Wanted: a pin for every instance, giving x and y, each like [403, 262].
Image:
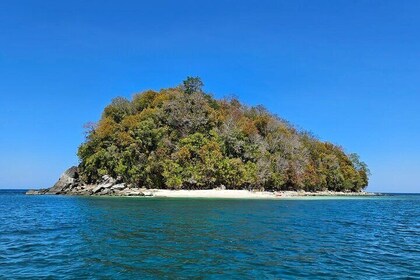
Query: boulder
[134, 193]
[97, 188]
[67, 180]
[106, 179]
[33, 192]
[107, 183]
[118, 187]
[105, 191]
[84, 192]
[130, 192]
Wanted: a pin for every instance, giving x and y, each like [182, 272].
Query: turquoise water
[58, 237]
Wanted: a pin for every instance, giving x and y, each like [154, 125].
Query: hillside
[183, 138]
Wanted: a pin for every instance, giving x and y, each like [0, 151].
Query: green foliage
[184, 138]
[143, 100]
[118, 109]
[192, 85]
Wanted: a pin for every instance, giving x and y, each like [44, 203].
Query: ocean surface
[59, 237]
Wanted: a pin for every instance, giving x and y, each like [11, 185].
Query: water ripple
[53, 237]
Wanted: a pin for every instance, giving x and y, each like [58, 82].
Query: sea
[67, 237]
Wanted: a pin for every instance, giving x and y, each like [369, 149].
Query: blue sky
[348, 71]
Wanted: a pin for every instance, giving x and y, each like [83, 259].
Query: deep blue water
[59, 237]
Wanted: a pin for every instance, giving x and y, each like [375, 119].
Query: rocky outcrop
[35, 192]
[105, 185]
[118, 187]
[69, 183]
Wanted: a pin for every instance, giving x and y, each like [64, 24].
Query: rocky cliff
[69, 183]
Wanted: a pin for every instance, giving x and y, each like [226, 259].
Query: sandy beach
[241, 194]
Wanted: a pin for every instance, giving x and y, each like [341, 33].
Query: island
[183, 142]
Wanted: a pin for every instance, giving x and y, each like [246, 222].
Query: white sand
[219, 193]
[213, 194]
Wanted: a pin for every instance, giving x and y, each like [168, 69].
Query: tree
[187, 114]
[192, 85]
[184, 138]
[119, 108]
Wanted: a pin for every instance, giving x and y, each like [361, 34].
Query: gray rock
[106, 185]
[84, 192]
[118, 187]
[97, 188]
[105, 191]
[106, 179]
[66, 181]
[33, 192]
[134, 193]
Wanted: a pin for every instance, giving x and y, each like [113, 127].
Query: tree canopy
[183, 138]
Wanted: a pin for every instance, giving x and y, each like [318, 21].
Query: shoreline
[214, 193]
[70, 184]
[245, 194]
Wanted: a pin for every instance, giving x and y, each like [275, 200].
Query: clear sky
[349, 71]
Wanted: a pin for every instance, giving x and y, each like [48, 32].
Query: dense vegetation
[184, 138]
